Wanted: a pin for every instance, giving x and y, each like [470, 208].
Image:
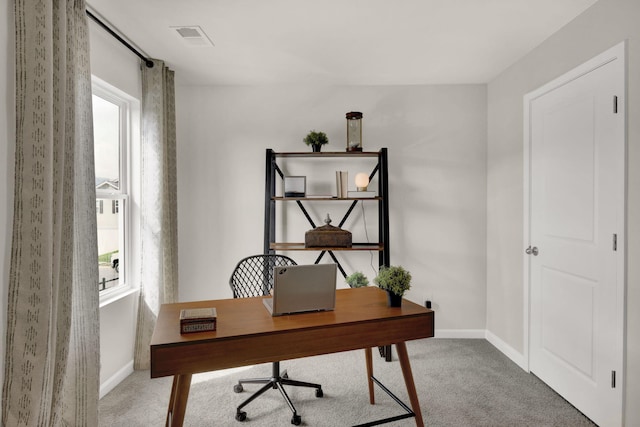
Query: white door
[576, 229]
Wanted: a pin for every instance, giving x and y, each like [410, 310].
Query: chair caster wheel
[238, 388]
[296, 420]
[241, 416]
[319, 392]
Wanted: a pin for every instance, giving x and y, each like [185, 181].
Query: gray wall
[436, 136]
[602, 26]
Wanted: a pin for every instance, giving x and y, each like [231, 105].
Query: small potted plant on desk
[316, 140]
[396, 281]
[357, 280]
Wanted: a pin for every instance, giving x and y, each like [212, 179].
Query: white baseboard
[460, 333]
[116, 379]
[515, 356]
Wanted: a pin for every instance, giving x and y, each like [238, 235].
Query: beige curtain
[52, 341]
[159, 235]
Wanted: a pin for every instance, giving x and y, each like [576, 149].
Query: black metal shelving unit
[381, 167]
[273, 172]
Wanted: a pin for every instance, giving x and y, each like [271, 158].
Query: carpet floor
[459, 382]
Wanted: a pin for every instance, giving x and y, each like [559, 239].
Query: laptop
[302, 288]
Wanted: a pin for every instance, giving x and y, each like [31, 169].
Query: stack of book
[197, 320]
[361, 194]
[342, 184]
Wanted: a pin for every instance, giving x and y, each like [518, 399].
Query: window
[111, 132]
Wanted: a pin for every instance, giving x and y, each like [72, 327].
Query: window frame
[125, 196]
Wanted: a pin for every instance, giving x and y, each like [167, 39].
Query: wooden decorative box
[327, 236]
[198, 320]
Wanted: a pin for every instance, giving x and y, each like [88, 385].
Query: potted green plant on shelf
[396, 281]
[357, 280]
[316, 140]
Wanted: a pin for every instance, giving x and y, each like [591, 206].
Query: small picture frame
[295, 186]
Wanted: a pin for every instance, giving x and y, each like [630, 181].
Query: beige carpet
[459, 382]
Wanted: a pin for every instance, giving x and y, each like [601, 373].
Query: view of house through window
[110, 138]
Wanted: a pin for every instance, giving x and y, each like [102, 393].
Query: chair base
[277, 381]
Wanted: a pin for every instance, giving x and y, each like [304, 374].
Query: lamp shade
[362, 181]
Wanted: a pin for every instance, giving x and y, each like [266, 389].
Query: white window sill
[111, 296]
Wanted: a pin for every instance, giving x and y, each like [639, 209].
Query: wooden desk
[247, 334]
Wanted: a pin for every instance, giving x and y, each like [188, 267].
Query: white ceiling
[339, 42]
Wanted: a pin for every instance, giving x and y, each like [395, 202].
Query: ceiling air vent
[193, 35]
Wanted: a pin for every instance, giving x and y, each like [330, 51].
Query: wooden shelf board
[280, 198]
[300, 247]
[329, 154]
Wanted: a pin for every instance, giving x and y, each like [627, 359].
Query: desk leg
[408, 380]
[178, 400]
[369, 359]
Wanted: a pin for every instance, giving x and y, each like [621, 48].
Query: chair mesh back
[253, 276]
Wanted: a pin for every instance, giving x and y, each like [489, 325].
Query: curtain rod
[147, 61]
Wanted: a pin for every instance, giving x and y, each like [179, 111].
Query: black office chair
[252, 277]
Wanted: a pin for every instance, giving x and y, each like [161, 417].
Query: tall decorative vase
[394, 300]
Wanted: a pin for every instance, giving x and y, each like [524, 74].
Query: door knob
[531, 250]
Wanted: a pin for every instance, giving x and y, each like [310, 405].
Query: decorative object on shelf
[327, 236]
[357, 280]
[396, 281]
[316, 140]
[361, 194]
[354, 131]
[295, 186]
[362, 181]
